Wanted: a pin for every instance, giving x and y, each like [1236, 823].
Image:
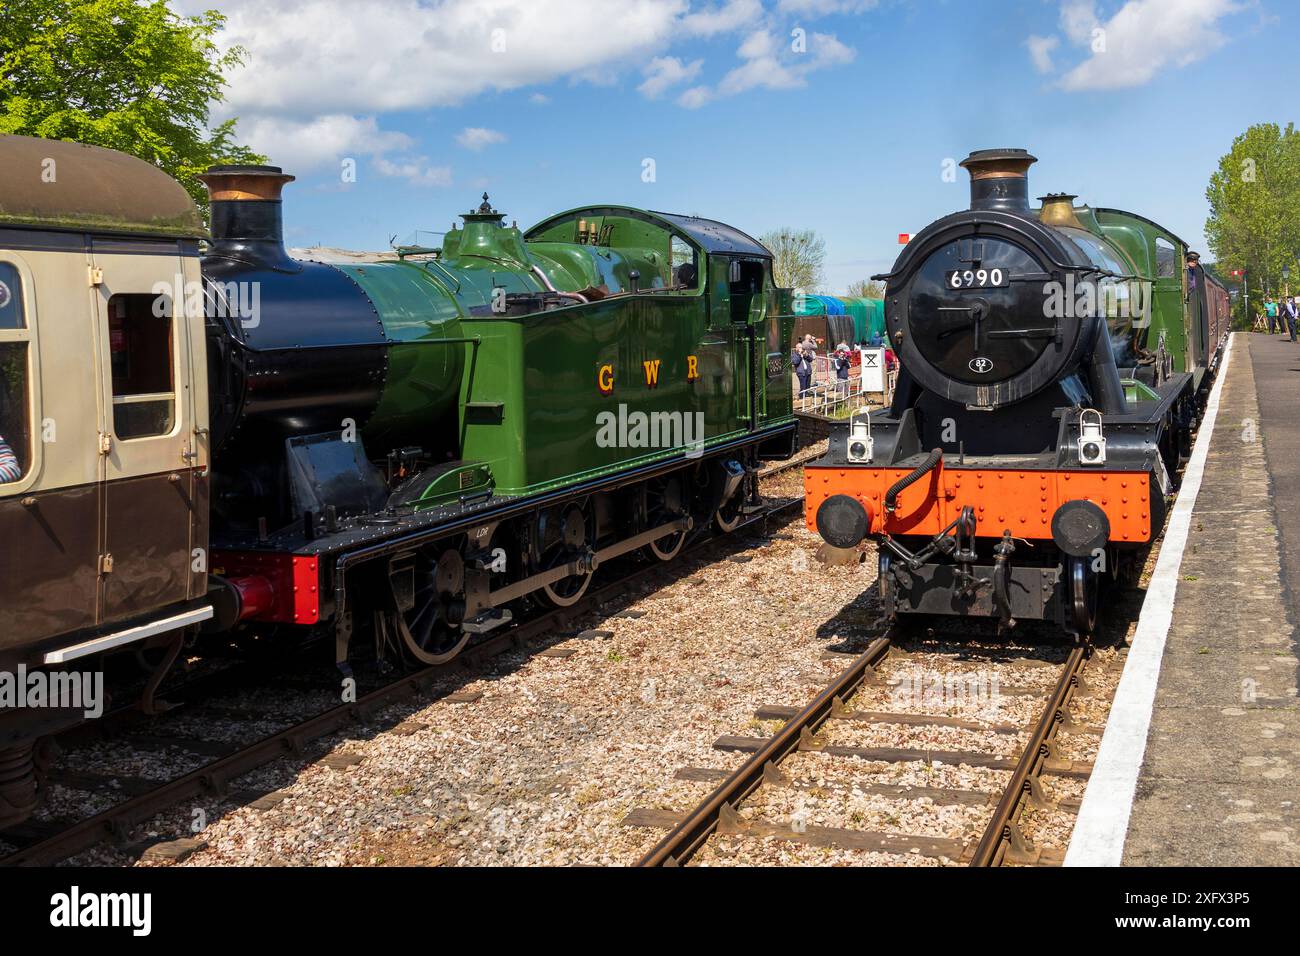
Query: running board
[128, 636]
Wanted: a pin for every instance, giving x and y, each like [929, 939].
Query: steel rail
[213, 777]
[997, 837]
[685, 839]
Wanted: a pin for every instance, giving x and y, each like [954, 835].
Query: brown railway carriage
[105, 412]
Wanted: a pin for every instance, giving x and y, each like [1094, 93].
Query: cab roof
[709, 234]
[53, 184]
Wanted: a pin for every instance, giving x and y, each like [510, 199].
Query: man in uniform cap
[1193, 261]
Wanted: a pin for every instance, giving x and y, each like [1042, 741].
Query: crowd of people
[803, 359]
[1283, 315]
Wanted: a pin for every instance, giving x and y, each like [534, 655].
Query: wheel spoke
[423, 628]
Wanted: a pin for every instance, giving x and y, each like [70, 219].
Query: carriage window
[1165, 259]
[140, 346]
[11, 298]
[15, 429]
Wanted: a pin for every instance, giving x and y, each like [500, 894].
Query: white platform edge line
[1102, 825]
[129, 636]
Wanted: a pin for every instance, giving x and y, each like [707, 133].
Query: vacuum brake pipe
[931, 460]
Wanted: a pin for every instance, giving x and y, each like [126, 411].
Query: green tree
[866, 289]
[129, 75]
[797, 258]
[1254, 200]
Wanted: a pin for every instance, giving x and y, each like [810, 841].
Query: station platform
[1200, 762]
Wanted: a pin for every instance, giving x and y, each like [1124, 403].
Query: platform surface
[1220, 777]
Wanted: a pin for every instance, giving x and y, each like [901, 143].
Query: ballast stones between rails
[1003, 841]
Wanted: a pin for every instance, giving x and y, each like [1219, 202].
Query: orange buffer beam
[1022, 500]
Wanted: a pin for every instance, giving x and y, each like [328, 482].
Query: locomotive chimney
[999, 179]
[247, 223]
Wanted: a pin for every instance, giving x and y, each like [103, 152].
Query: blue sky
[549, 104]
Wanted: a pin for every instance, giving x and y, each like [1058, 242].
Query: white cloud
[1040, 51]
[322, 140]
[539, 99]
[758, 44]
[321, 75]
[375, 56]
[416, 171]
[1078, 20]
[664, 72]
[723, 19]
[1143, 39]
[477, 137]
[695, 97]
[822, 8]
[767, 64]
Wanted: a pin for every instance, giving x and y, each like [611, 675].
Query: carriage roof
[52, 184]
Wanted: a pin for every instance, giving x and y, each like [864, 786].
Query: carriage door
[146, 437]
[747, 304]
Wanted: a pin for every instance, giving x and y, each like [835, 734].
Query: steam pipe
[1108, 390]
[550, 288]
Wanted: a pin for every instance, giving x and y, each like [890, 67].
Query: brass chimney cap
[235, 183]
[998, 163]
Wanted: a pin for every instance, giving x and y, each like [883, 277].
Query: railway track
[1003, 840]
[45, 843]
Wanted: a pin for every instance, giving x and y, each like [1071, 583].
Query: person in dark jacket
[842, 363]
[802, 368]
[1291, 315]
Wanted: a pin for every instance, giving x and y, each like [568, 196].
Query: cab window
[1166, 260]
[685, 265]
[15, 423]
[744, 282]
[140, 344]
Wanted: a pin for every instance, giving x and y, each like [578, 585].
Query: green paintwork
[516, 396]
[1169, 314]
[424, 370]
[448, 487]
[1135, 391]
[1132, 241]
